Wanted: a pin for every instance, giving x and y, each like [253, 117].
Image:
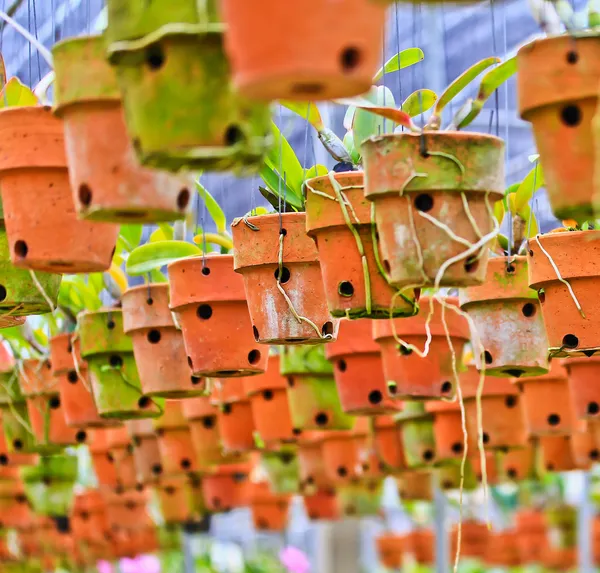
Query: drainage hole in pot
[72, 377]
[154, 336]
[226, 409]
[350, 510]
[285, 275]
[486, 438]
[233, 135]
[487, 355]
[594, 454]
[571, 115]
[3, 460]
[350, 58]
[46, 480]
[511, 401]
[81, 436]
[593, 408]
[428, 455]
[137, 441]
[341, 365]
[115, 361]
[290, 382]
[204, 311]
[195, 380]
[254, 356]
[208, 422]
[144, 402]
[185, 464]
[570, 341]
[321, 419]
[3, 292]
[514, 372]
[471, 264]
[21, 249]
[183, 198]
[268, 395]
[205, 271]
[554, 419]
[262, 523]
[54, 402]
[110, 457]
[404, 350]
[155, 57]
[572, 57]
[327, 329]
[85, 195]
[345, 288]
[157, 469]
[256, 333]
[17, 444]
[528, 309]
[190, 363]
[392, 387]
[375, 397]
[550, 467]
[342, 471]
[424, 202]
[286, 458]
[447, 484]
[296, 431]
[386, 266]
[457, 447]
[446, 387]
[149, 301]
[110, 324]
[306, 88]
[511, 473]
[160, 432]
[139, 487]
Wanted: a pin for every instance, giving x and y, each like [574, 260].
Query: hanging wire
[28, 43]
[399, 75]
[37, 53]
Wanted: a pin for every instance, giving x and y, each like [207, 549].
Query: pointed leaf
[96, 283]
[349, 117]
[316, 171]
[499, 211]
[399, 61]
[351, 147]
[287, 164]
[156, 255]
[214, 209]
[366, 123]
[16, 94]
[532, 182]
[131, 236]
[419, 102]
[526, 214]
[2, 72]
[273, 199]
[163, 233]
[307, 110]
[276, 186]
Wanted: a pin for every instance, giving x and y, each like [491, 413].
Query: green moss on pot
[418, 437]
[18, 433]
[360, 499]
[101, 332]
[10, 389]
[282, 470]
[304, 359]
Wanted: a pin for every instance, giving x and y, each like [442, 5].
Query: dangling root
[425, 351]
[451, 157]
[445, 228]
[81, 377]
[244, 220]
[40, 288]
[470, 215]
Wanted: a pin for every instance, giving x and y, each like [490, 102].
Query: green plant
[587, 18]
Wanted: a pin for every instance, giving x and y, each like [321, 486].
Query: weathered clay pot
[447, 429]
[418, 438]
[557, 455]
[419, 543]
[312, 393]
[492, 469]
[209, 301]
[584, 446]
[531, 536]
[88, 520]
[361, 498]
[257, 248]
[10, 459]
[35, 378]
[387, 440]
[173, 501]
[390, 548]
[269, 510]
[234, 418]
[103, 460]
[127, 510]
[282, 468]
[448, 477]
[407, 374]
[175, 440]
[157, 344]
[519, 464]
[313, 475]
[226, 487]
[120, 454]
[508, 321]
[20, 438]
[453, 168]
[343, 452]
[49, 425]
[502, 549]
[322, 504]
[146, 454]
[584, 389]
[356, 360]
[16, 511]
[473, 539]
[355, 287]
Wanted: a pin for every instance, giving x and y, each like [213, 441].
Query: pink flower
[141, 564]
[104, 567]
[294, 560]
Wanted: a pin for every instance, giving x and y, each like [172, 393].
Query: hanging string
[203, 224]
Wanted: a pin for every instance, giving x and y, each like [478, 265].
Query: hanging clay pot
[173, 501]
[507, 317]
[322, 504]
[531, 536]
[209, 302]
[356, 361]
[502, 412]
[9, 459]
[449, 477]
[447, 429]
[299, 314]
[269, 402]
[355, 285]
[389, 448]
[419, 543]
[558, 93]
[157, 344]
[473, 539]
[313, 475]
[120, 454]
[492, 469]
[361, 498]
[49, 425]
[420, 184]
[102, 460]
[226, 487]
[560, 558]
[146, 454]
[269, 510]
[112, 370]
[502, 550]
[418, 437]
[584, 389]
[313, 397]
[342, 451]
[89, 520]
[583, 445]
[175, 440]
[390, 548]
[557, 455]
[407, 374]
[127, 510]
[43, 230]
[562, 524]
[547, 402]
[572, 331]
[107, 180]
[282, 468]
[234, 418]
[16, 512]
[18, 433]
[35, 378]
[519, 464]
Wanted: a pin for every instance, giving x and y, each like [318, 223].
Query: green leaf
[2, 72]
[316, 171]
[16, 94]
[153, 256]
[306, 110]
[96, 282]
[367, 124]
[349, 117]
[419, 102]
[499, 211]
[351, 147]
[532, 182]
[285, 164]
[273, 199]
[526, 214]
[40, 337]
[163, 233]
[399, 61]
[273, 182]
[214, 209]
[157, 276]
[130, 235]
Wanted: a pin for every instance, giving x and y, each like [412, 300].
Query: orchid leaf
[367, 124]
[419, 102]
[276, 203]
[154, 256]
[163, 233]
[307, 110]
[349, 117]
[96, 283]
[2, 72]
[532, 182]
[316, 171]
[525, 212]
[286, 163]
[275, 186]
[399, 61]
[351, 147]
[17, 94]
[499, 211]
[212, 206]
[130, 235]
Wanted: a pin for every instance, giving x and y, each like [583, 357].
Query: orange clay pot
[583, 446]
[322, 505]
[492, 469]
[342, 452]
[584, 387]
[313, 474]
[88, 520]
[415, 486]
[43, 230]
[508, 320]
[547, 402]
[108, 182]
[560, 559]
[502, 549]
[127, 510]
[473, 543]
[9, 460]
[157, 344]
[102, 459]
[175, 440]
[502, 408]
[415, 250]
[35, 378]
[345, 276]
[358, 370]
[390, 548]
[235, 421]
[16, 512]
[49, 425]
[557, 455]
[557, 88]
[387, 440]
[520, 464]
[146, 454]
[256, 258]
[173, 501]
[447, 429]
[575, 255]
[270, 406]
[209, 301]
[407, 374]
[341, 60]
[121, 456]
[420, 544]
[227, 487]
[269, 510]
[531, 536]
[64, 348]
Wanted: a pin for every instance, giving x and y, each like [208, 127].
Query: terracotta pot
[103, 460]
[89, 521]
[585, 392]
[43, 229]
[502, 549]
[557, 455]
[474, 537]
[455, 168]
[507, 317]
[447, 429]
[492, 469]
[420, 544]
[49, 425]
[256, 256]
[173, 501]
[226, 488]
[388, 444]
[202, 417]
[112, 370]
[157, 344]
[269, 403]
[584, 446]
[547, 402]
[390, 548]
[19, 435]
[519, 464]
[354, 285]
[175, 440]
[146, 454]
[312, 394]
[214, 318]
[356, 359]
[322, 505]
[313, 475]
[560, 559]
[234, 418]
[120, 454]
[562, 118]
[418, 438]
[35, 378]
[342, 452]
[502, 412]
[531, 537]
[15, 508]
[108, 182]
[269, 510]
[448, 477]
[360, 498]
[569, 333]
[407, 374]
[9, 459]
[127, 510]
[282, 468]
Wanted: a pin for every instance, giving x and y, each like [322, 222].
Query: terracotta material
[507, 317]
[585, 391]
[35, 378]
[502, 549]
[575, 255]
[209, 301]
[531, 536]
[560, 99]
[10, 459]
[102, 459]
[456, 165]
[227, 487]
[408, 375]
[43, 229]
[492, 468]
[419, 543]
[322, 505]
[360, 498]
[502, 412]
[557, 455]
[202, 417]
[358, 370]
[584, 446]
[269, 403]
[146, 454]
[127, 510]
[256, 257]
[47, 418]
[64, 348]
[269, 511]
[547, 402]
[354, 289]
[172, 499]
[343, 451]
[448, 475]
[418, 439]
[234, 418]
[282, 469]
[120, 454]
[16, 512]
[157, 344]
[390, 548]
[17, 431]
[520, 464]
[447, 429]
[474, 538]
[175, 440]
[387, 441]
[313, 475]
